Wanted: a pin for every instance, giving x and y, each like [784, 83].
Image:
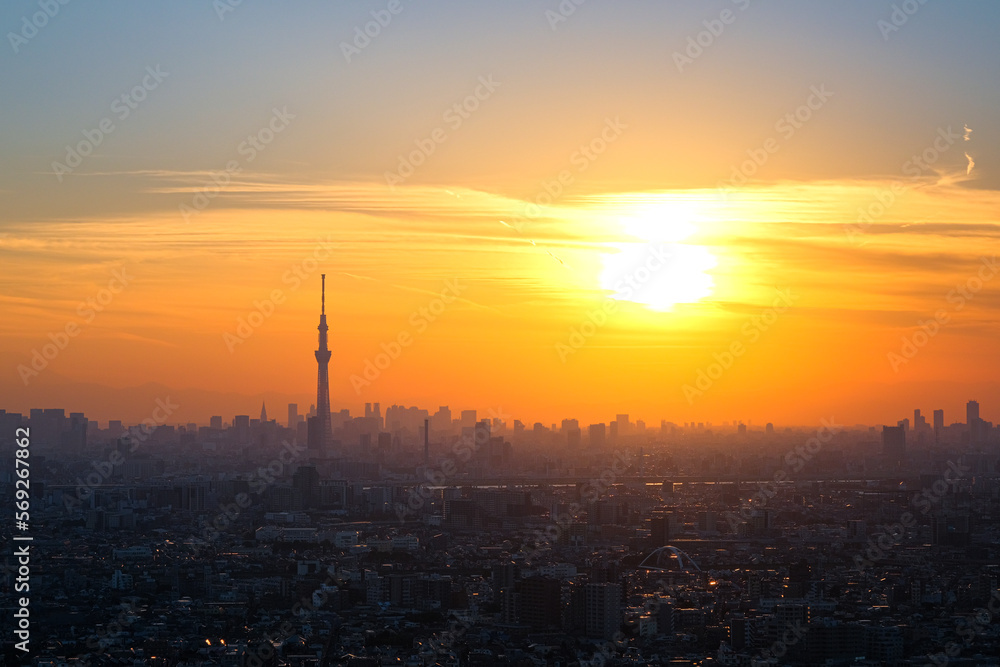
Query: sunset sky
[535, 164]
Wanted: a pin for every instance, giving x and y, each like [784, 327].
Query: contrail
[531, 241]
[968, 131]
[972, 163]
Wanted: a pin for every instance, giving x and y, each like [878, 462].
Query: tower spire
[322, 435]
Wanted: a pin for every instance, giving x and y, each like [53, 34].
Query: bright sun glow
[659, 271]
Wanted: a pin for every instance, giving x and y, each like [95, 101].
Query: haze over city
[521, 333]
[562, 153]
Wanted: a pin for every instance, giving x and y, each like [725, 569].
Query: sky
[694, 211]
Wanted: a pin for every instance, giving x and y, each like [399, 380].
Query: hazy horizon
[613, 201]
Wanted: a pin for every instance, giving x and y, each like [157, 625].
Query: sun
[656, 269]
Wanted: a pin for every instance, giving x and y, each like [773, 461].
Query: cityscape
[411, 537]
[469, 333]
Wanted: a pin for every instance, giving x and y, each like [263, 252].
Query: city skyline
[323, 356]
[454, 421]
[495, 333]
[637, 227]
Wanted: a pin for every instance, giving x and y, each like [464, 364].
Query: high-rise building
[570, 430]
[214, 422]
[660, 528]
[665, 618]
[740, 632]
[441, 421]
[894, 441]
[293, 415]
[482, 432]
[323, 379]
[624, 425]
[504, 575]
[48, 426]
[241, 429]
[314, 435]
[427, 442]
[974, 423]
[971, 413]
[539, 602]
[383, 449]
[597, 436]
[76, 437]
[603, 605]
[938, 424]
[306, 480]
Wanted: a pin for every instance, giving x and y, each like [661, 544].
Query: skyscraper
[971, 412]
[241, 429]
[972, 420]
[603, 609]
[624, 425]
[894, 441]
[597, 439]
[323, 423]
[293, 415]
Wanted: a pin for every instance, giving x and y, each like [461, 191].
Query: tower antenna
[320, 436]
[323, 297]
